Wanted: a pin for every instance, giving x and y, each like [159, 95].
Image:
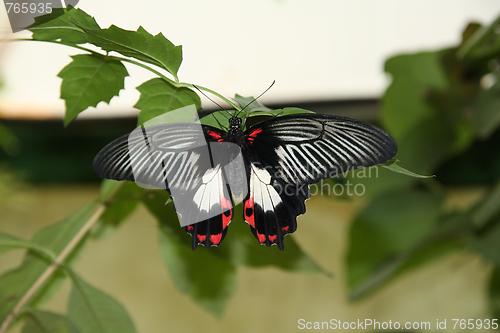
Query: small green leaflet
[159, 97]
[140, 44]
[394, 167]
[64, 25]
[89, 80]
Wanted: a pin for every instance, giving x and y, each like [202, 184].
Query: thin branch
[52, 268]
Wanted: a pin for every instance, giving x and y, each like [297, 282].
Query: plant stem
[52, 268]
[175, 82]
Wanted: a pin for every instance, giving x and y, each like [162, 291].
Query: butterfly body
[267, 167]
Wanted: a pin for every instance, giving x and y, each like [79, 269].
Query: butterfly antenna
[256, 98]
[213, 114]
[211, 100]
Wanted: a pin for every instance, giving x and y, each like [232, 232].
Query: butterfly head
[235, 123]
[235, 131]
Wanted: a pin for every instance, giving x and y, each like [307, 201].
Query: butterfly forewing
[303, 149]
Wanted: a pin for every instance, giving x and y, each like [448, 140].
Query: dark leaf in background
[89, 80]
[488, 244]
[395, 222]
[94, 311]
[14, 283]
[158, 97]
[481, 42]
[486, 108]
[47, 322]
[120, 199]
[494, 293]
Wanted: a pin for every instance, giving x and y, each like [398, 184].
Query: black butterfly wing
[270, 211]
[288, 153]
[304, 149]
[180, 159]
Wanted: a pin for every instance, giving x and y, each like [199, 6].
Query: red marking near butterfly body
[285, 228]
[253, 134]
[216, 136]
[272, 238]
[201, 238]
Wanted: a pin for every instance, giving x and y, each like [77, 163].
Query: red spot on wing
[285, 228]
[249, 212]
[216, 238]
[189, 228]
[272, 238]
[216, 136]
[261, 237]
[227, 212]
[201, 238]
[253, 134]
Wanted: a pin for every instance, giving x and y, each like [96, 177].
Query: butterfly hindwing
[270, 211]
[211, 210]
[177, 158]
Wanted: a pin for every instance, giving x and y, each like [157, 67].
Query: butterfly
[268, 166]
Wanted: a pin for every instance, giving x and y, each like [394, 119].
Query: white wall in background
[315, 50]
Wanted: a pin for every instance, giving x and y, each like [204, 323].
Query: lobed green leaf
[89, 80]
[140, 44]
[64, 25]
[159, 97]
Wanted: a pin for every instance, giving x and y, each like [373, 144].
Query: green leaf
[65, 25]
[9, 242]
[9, 143]
[488, 243]
[89, 80]
[159, 97]
[140, 44]
[121, 199]
[494, 293]
[484, 43]
[393, 227]
[404, 102]
[93, 311]
[15, 283]
[206, 277]
[47, 322]
[394, 167]
[486, 115]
